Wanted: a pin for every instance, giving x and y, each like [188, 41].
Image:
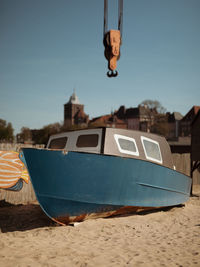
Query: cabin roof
[109, 143]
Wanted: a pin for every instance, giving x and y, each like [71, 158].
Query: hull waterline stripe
[163, 188]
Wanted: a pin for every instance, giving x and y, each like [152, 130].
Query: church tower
[74, 112]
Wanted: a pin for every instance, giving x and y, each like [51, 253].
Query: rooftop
[74, 99]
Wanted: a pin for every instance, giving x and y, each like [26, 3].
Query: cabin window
[126, 145]
[87, 140]
[58, 143]
[151, 149]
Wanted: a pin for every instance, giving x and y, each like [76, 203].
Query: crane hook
[112, 73]
[112, 40]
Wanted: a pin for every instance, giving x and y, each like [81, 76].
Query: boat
[104, 171]
[12, 171]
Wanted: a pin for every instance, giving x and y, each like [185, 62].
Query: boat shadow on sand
[30, 216]
[22, 217]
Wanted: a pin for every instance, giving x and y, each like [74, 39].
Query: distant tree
[72, 127]
[160, 125]
[158, 117]
[10, 132]
[25, 134]
[6, 131]
[38, 136]
[41, 136]
[154, 105]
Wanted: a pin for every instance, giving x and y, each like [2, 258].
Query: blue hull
[75, 183]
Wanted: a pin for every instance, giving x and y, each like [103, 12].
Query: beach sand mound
[162, 238]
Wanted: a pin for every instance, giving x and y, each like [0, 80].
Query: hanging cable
[120, 16]
[105, 26]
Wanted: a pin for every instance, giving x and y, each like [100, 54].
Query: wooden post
[191, 172]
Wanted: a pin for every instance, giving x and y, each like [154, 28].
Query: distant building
[195, 135]
[185, 128]
[195, 149]
[185, 123]
[140, 118]
[173, 125]
[181, 145]
[109, 120]
[74, 112]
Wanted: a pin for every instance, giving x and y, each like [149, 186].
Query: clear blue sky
[48, 47]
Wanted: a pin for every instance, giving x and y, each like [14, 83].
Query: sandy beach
[168, 237]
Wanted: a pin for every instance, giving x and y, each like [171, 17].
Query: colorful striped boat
[12, 171]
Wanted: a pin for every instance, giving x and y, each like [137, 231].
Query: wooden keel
[126, 210]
